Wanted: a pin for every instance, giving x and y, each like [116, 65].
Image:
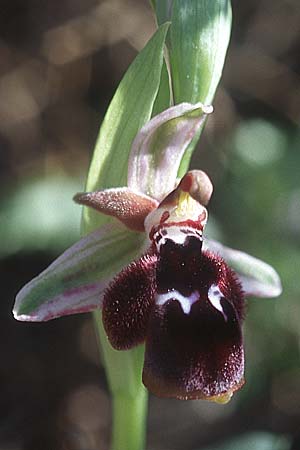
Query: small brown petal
[130, 207]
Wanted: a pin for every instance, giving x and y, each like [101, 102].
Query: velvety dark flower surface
[155, 275]
[184, 302]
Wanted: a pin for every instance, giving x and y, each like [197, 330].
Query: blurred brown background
[60, 63]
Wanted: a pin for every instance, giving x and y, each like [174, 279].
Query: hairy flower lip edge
[221, 398]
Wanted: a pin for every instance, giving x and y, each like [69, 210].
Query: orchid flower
[155, 274]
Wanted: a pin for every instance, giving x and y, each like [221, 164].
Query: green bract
[197, 44]
[199, 38]
[130, 108]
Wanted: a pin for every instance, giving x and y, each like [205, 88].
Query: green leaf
[163, 100]
[130, 108]
[199, 38]
[197, 43]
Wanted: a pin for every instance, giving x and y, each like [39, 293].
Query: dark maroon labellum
[188, 307]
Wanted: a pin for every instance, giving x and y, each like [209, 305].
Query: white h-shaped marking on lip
[215, 296]
[185, 302]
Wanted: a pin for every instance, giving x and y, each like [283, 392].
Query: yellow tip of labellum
[222, 399]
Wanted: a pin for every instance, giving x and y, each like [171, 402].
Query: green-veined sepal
[75, 281]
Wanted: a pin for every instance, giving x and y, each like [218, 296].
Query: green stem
[129, 397]
[129, 415]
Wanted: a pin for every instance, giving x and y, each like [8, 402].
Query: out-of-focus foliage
[39, 215]
[257, 441]
[257, 206]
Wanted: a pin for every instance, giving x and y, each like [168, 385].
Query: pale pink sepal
[75, 281]
[159, 147]
[73, 301]
[258, 278]
[130, 207]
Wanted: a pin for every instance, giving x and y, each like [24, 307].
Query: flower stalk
[129, 430]
[129, 396]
